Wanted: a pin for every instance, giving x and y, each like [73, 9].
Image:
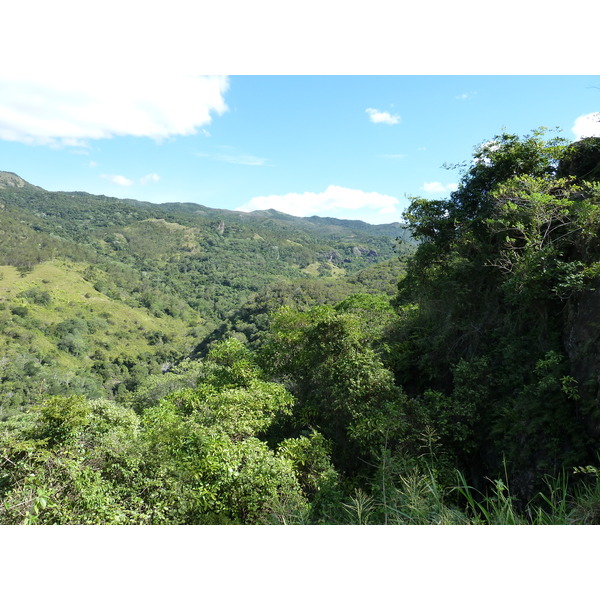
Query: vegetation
[96, 294]
[174, 364]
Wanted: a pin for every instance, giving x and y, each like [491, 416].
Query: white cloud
[124, 69]
[377, 116]
[435, 187]
[334, 201]
[486, 153]
[59, 110]
[93, 163]
[150, 178]
[118, 179]
[587, 126]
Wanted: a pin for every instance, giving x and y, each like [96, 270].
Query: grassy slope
[111, 343]
[73, 296]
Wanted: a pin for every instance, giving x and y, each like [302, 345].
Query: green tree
[342, 388]
[498, 265]
[203, 440]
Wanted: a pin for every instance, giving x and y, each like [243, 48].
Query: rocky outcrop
[582, 160]
[11, 180]
[581, 339]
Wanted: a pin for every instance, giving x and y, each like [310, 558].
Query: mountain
[175, 245]
[9, 180]
[97, 293]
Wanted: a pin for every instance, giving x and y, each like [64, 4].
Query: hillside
[96, 293]
[176, 244]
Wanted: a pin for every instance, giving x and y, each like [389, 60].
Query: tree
[499, 262]
[343, 390]
[203, 441]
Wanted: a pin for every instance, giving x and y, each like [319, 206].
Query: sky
[136, 103]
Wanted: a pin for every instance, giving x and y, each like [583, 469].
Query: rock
[582, 161]
[581, 339]
[11, 180]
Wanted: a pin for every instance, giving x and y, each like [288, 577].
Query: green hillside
[97, 293]
[59, 334]
[211, 259]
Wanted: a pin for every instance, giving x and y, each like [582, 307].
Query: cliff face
[583, 160]
[581, 338]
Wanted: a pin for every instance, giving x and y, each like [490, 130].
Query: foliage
[61, 418]
[192, 458]
[204, 441]
[498, 263]
[310, 456]
[342, 388]
[311, 396]
[108, 292]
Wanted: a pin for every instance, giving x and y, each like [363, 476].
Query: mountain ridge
[10, 179]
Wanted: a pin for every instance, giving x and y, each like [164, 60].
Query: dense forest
[177, 364]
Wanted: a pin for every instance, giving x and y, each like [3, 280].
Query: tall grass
[404, 494]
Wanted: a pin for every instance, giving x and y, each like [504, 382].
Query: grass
[413, 495]
[74, 297]
[313, 269]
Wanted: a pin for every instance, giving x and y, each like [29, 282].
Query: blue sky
[125, 122]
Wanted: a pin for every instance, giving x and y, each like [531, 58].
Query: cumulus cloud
[587, 126]
[59, 110]
[117, 69]
[118, 179]
[150, 178]
[435, 187]
[334, 201]
[377, 116]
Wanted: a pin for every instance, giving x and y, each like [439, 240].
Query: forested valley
[178, 364]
